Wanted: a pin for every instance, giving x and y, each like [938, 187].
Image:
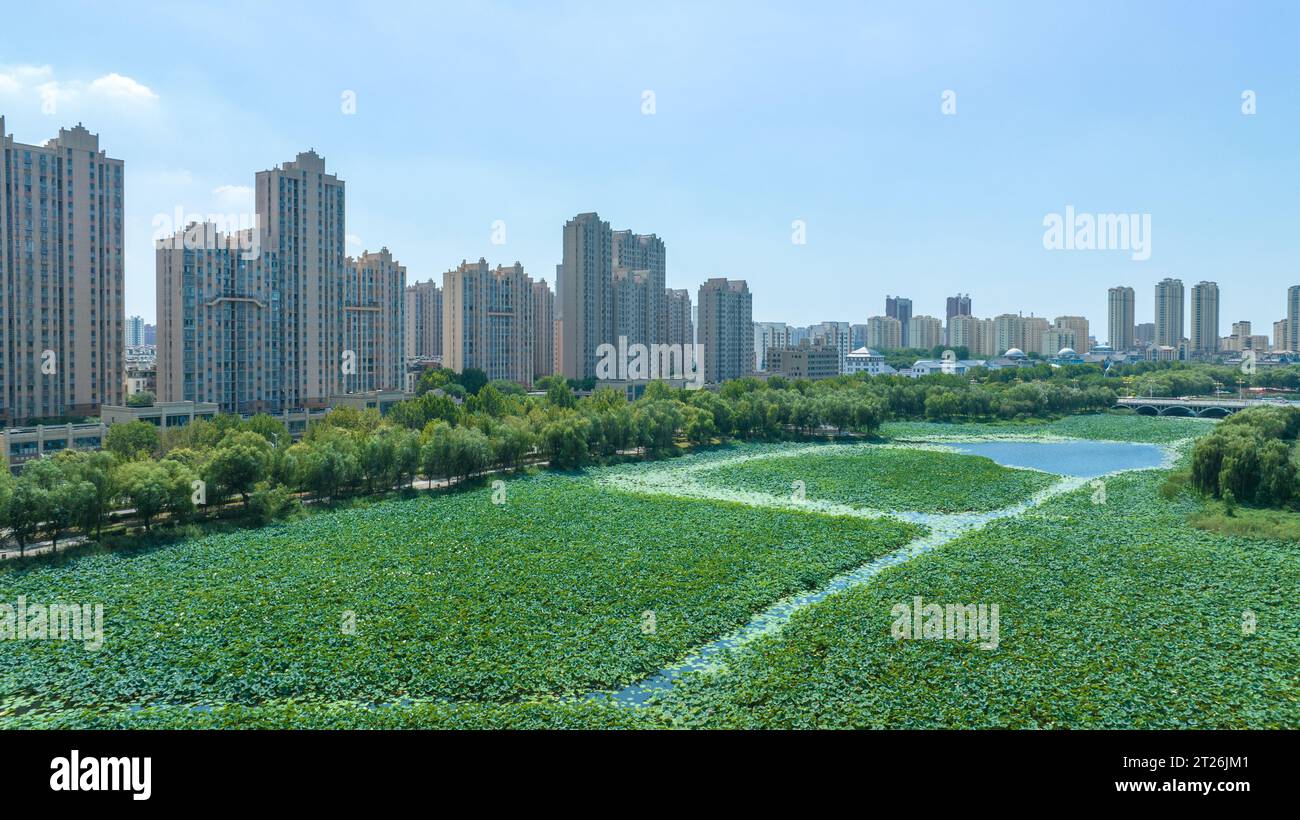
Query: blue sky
[765, 113]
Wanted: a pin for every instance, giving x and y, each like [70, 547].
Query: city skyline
[960, 202]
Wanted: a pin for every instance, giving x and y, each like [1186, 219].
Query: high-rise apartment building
[61, 277]
[1121, 316]
[899, 308]
[958, 305]
[219, 338]
[374, 296]
[884, 333]
[925, 332]
[681, 328]
[631, 292]
[543, 329]
[1078, 325]
[726, 330]
[276, 317]
[1169, 313]
[1292, 338]
[583, 295]
[423, 320]
[134, 331]
[300, 210]
[645, 252]
[1281, 335]
[978, 336]
[487, 321]
[1205, 318]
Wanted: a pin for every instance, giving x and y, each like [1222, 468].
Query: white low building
[867, 361]
[931, 367]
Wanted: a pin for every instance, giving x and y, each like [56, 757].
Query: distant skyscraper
[1121, 316]
[487, 321]
[726, 329]
[645, 252]
[1169, 312]
[978, 336]
[543, 329]
[1145, 334]
[958, 305]
[884, 333]
[901, 309]
[681, 328]
[1281, 333]
[134, 331]
[374, 295]
[1205, 318]
[423, 320]
[61, 277]
[631, 292]
[583, 294]
[1292, 319]
[925, 332]
[1078, 325]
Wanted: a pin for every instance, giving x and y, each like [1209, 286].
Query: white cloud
[14, 78]
[117, 85]
[20, 79]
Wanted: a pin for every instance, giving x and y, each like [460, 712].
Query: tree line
[459, 425]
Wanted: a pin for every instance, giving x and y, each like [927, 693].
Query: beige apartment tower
[277, 318]
[300, 209]
[1205, 318]
[487, 321]
[1169, 313]
[423, 337]
[1078, 325]
[884, 333]
[543, 329]
[374, 299]
[1121, 318]
[61, 278]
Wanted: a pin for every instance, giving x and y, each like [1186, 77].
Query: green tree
[29, 509]
[6, 494]
[98, 469]
[146, 487]
[238, 463]
[131, 441]
[473, 380]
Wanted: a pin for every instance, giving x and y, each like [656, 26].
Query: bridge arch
[1215, 413]
[1178, 410]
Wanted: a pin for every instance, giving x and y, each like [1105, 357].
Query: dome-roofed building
[1014, 353]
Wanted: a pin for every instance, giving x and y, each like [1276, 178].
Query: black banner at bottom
[143, 770]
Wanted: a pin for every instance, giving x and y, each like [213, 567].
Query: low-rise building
[805, 361]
